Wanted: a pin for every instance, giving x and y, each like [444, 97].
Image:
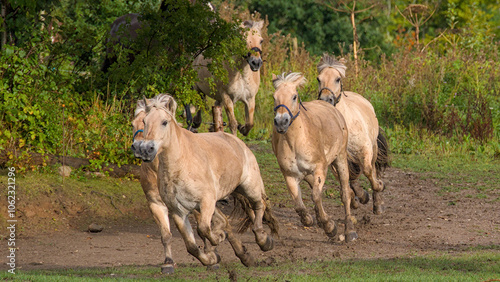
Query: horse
[307, 138]
[196, 170]
[367, 145]
[148, 180]
[243, 81]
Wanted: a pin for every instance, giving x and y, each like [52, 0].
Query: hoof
[167, 269]
[351, 236]
[378, 209]
[213, 267]
[355, 203]
[333, 230]
[365, 198]
[269, 245]
[247, 260]
[307, 220]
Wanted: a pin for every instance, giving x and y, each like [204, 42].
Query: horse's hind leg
[239, 249]
[341, 166]
[184, 227]
[316, 182]
[377, 184]
[293, 187]
[253, 190]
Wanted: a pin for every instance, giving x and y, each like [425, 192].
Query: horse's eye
[338, 80]
[262, 41]
[164, 123]
[295, 98]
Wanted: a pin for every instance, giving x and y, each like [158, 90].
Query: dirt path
[418, 220]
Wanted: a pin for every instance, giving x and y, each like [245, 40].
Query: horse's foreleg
[293, 187]
[249, 112]
[216, 235]
[229, 106]
[347, 193]
[317, 182]
[184, 227]
[160, 213]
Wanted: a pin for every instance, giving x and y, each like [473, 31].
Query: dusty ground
[417, 220]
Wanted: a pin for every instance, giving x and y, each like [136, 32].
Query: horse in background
[243, 81]
[196, 170]
[308, 138]
[367, 145]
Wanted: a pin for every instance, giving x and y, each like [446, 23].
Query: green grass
[477, 266]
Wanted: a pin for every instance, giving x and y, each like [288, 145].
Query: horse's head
[157, 126]
[254, 43]
[330, 74]
[286, 99]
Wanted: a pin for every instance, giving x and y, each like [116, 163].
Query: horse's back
[359, 114]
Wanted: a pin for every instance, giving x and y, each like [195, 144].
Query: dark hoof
[213, 267]
[218, 257]
[167, 269]
[351, 236]
[378, 209]
[247, 260]
[307, 220]
[269, 245]
[365, 199]
[355, 203]
[333, 232]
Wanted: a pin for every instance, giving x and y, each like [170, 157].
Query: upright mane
[160, 101]
[328, 61]
[251, 24]
[291, 77]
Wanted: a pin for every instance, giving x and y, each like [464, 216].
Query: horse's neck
[173, 152]
[244, 73]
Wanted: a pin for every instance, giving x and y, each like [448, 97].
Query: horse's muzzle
[254, 62]
[282, 122]
[144, 150]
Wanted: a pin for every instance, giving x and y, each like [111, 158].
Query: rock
[95, 228]
[65, 171]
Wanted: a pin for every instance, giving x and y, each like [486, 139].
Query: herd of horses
[185, 173]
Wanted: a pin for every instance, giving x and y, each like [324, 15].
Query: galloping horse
[196, 170]
[148, 180]
[367, 146]
[307, 138]
[243, 82]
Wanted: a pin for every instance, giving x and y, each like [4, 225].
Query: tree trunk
[4, 25]
[355, 44]
[218, 120]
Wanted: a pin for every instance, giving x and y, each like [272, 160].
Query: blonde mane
[291, 77]
[160, 101]
[328, 61]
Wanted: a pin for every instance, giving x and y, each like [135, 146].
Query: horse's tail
[383, 159]
[246, 207]
[354, 167]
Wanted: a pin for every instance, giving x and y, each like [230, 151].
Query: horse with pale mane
[367, 146]
[308, 138]
[243, 81]
[196, 170]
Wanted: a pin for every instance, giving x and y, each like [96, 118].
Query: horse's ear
[171, 106]
[145, 101]
[259, 25]
[300, 81]
[274, 76]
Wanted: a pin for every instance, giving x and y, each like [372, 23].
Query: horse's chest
[242, 89]
[297, 165]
